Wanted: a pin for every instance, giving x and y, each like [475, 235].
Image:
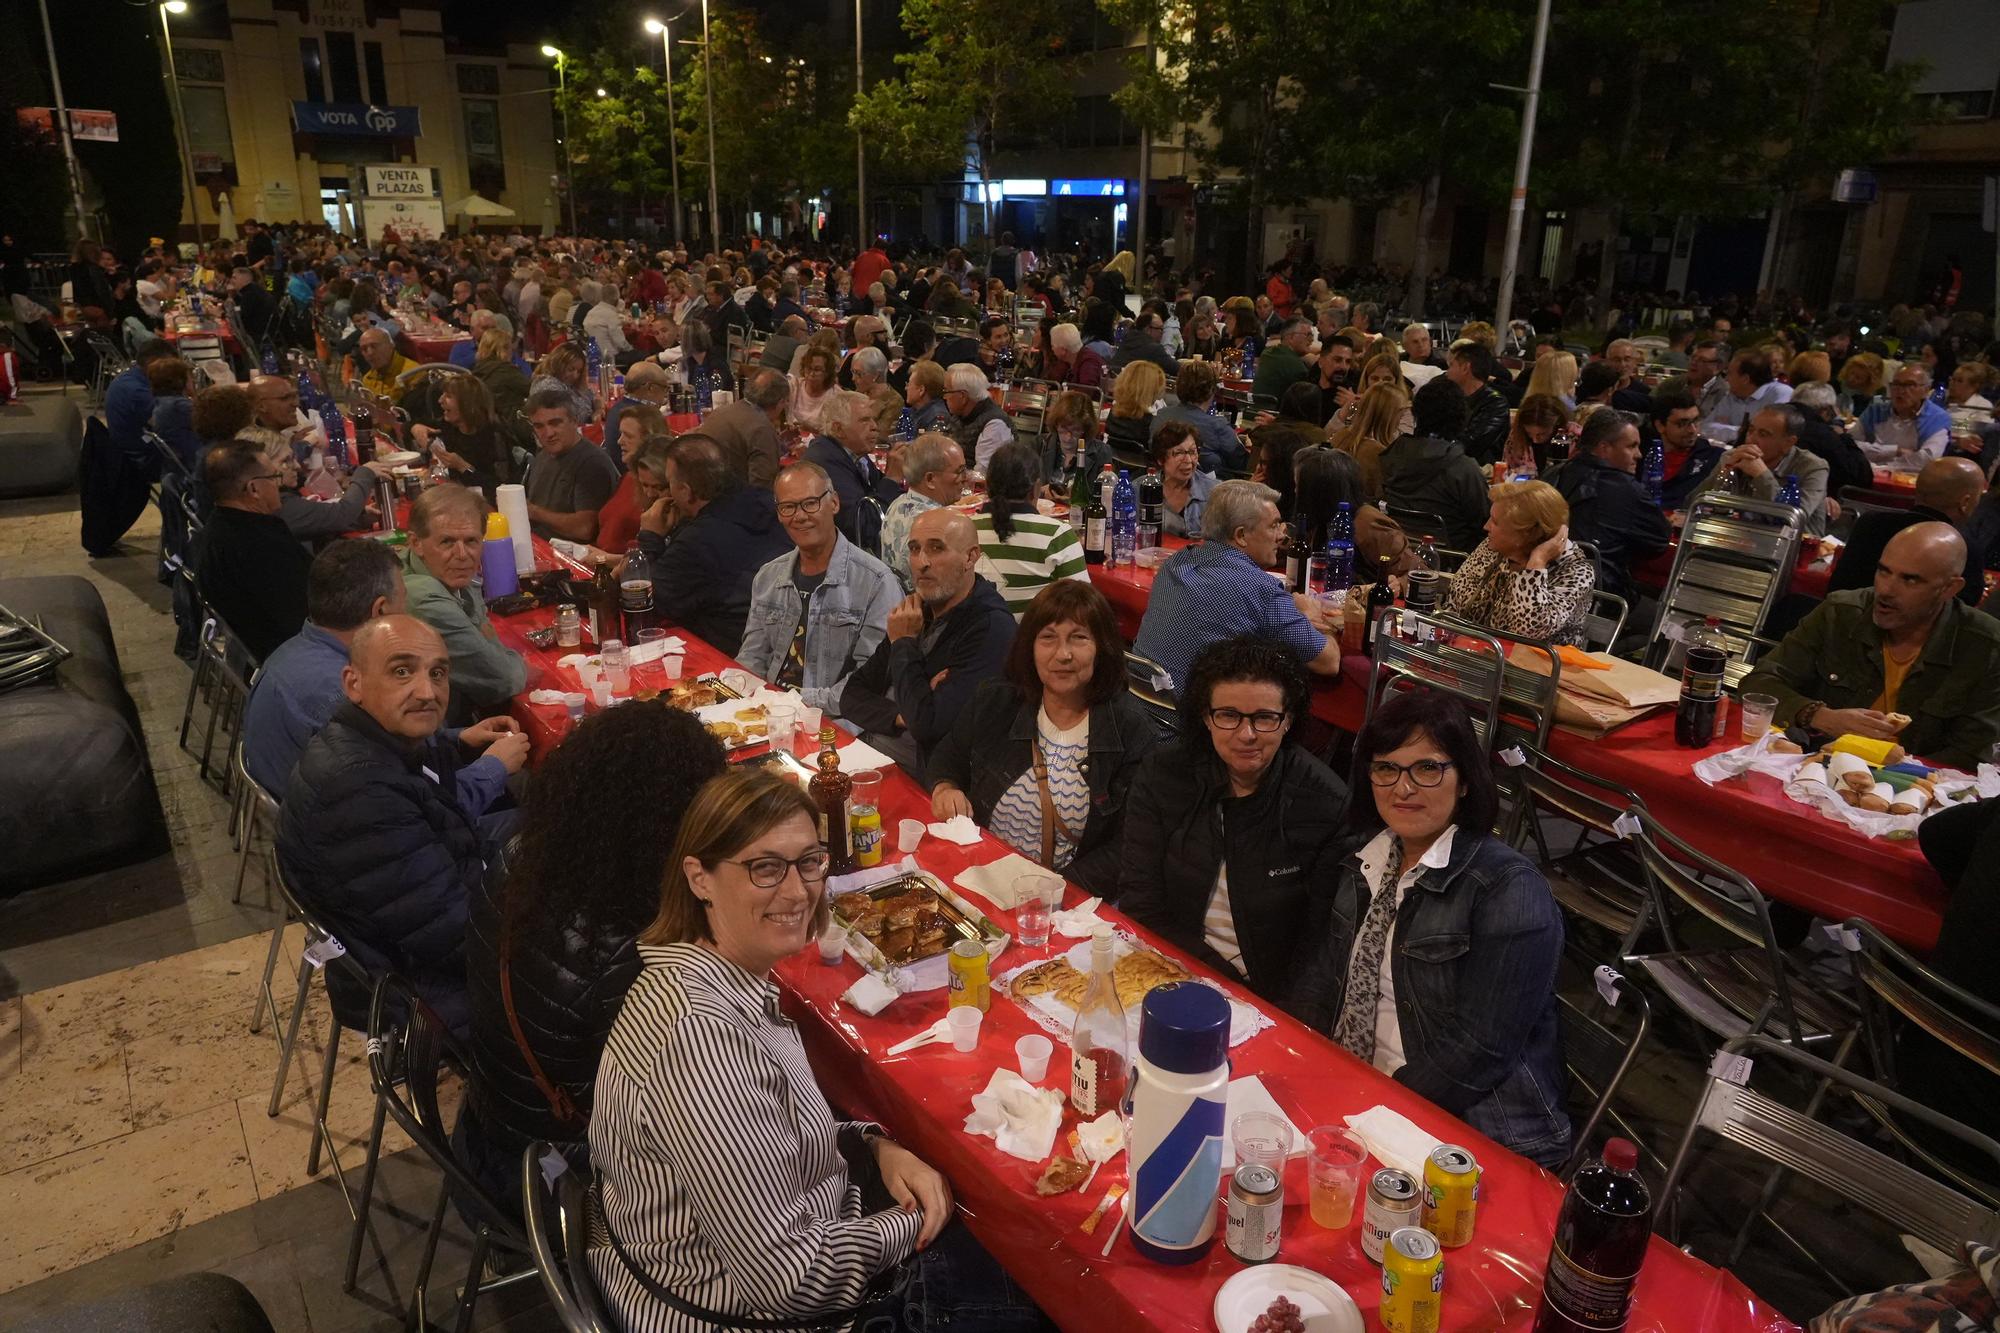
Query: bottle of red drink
[1600, 1244]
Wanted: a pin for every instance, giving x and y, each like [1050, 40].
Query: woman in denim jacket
[1449, 985]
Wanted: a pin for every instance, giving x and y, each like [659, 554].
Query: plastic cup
[909, 832]
[673, 663]
[617, 666]
[1758, 709]
[867, 789]
[964, 1021]
[1031, 923]
[1032, 1054]
[778, 725]
[832, 944]
[739, 680]
[807, 720]
[600, 691]
[574, 703]
[1335, 1157]
[1262, 1137]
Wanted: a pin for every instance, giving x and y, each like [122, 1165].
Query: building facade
[288, 103]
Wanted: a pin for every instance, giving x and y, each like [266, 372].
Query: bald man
[1904, 659]
[1948, 490]
[385, 366]
[944, 640]
[380, 836]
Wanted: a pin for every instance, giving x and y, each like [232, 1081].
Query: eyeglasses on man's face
[1264, 721]
[768, 872]
[1423, 772]
[809, 505]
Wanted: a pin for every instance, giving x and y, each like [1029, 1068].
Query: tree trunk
[1420, 263]
[1607, 263]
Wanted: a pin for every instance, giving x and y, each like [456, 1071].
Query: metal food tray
[723, 694]
[964, 922]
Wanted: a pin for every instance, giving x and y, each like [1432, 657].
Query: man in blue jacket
[1607, 505]
[727, 531]
[375, 837]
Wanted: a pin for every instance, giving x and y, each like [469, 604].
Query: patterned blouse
[1547, 604]
[1017, 816]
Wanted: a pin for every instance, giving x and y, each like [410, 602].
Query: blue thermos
[1179, 1104]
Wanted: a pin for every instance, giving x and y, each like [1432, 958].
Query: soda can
[1394, 1201]
[864, 824]
[1451, 1194]
[1256, 1213]
[1412, 1282]
[969, 982]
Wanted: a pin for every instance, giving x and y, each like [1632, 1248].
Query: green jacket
[1952, 694]
[1278, 369]
[485, 673]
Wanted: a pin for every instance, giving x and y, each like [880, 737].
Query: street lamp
[860, 148]
[178, 7]
[673, 150]
[83, 220]
[708, 86]
[562, 97]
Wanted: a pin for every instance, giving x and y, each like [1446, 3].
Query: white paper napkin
[1393, 1138]
[1019, 1117]
[959, 828]
[1078, 922]
[653, 652]
[871, 995]
[994, 881]
[1249, 1094]
[859, 757]
[1103, 1138]
[546, 697]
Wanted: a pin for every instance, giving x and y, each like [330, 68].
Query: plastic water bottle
[1427, 554]
[1124, 521]
[593, 360]
[336, 433]
[906, 425]
[1249, 361]
[1179, 1105]
[1790, 494]
[704, 391]
[1656, 475]
[269, 364]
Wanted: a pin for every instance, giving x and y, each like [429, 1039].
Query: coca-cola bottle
[1706, 655]
[1600, 1244]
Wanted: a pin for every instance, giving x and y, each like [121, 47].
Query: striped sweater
[1037, 553]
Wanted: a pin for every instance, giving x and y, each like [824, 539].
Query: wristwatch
[1807, 712]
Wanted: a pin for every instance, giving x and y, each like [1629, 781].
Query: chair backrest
[1418, 523]
[1509, 703]
[557, 1220]
[1884, 974]
[1906, 1198]
[1583, 1030]
[1604, 620]
[1734, 561]
[1154, 688]
[408, 1046]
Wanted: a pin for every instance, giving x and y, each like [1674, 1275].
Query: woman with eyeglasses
[1185, 488]
[1438, 966]
[729, 1190]
[1228, 832]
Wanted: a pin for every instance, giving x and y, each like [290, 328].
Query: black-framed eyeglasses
[1423, 772]
[768, 872]
[266, 476]
[809, 505]
[1264, 721]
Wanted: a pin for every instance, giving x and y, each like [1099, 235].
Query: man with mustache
[376, 838]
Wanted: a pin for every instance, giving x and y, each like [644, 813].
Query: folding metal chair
[1598, 1059]
[1604, 620]
[405, 1067]
[1889, 985]
[1734, 562]
[1600, 879]
[1418, 523]
[1745, 984]
[1026, 403]
[557, 1214]
[1909, 1200]
[252, 806]
[222, 673]
[1154, 688]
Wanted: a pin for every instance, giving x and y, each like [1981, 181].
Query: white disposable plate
[1323, 1306]
[399, 458]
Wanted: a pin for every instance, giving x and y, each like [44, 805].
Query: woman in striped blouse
[726, 1179]
[1021, 550]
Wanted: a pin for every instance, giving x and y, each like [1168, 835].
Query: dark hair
[1166, 436]
[1755, 365]
[702, 468]
[1069, 599]
[1602, 425]
[1247, 657]
[1302, 402]
[346, 578]
[634, 770]
[1439, 409]
[1443, 718]
[1325, 478]
[919, 338]
[1598, 377]
[1098, 320]
[228, 466]
[167, 375]
[1671, 397]
[1011, 475]
[553, 396]
[1478, 358]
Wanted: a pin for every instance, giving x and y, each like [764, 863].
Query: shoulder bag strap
[1052, 820]
[560, 1102]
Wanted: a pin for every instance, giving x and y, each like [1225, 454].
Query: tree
[981, 70]
[618, 142]
[1244, 81]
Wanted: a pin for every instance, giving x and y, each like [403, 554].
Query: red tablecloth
[924, 1095]
[211, 330]
[432, 348]
[1788, 850]
[1895, 489]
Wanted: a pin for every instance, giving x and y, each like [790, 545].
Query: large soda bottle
[1152, 508]
[1705, 656]
[1656, 474]
[1600, 1244]
[364, 430]
[635, 594]
[1124, 521]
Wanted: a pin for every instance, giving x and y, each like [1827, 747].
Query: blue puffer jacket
[374, 843]
[1473, 961]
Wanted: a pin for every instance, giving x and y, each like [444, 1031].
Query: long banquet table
[1787, 850]
[923, 1096]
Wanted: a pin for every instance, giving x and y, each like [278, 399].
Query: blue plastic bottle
[1656, 474]
[1340, 549]
[1790, 494]
[1124, 521]
[593, 360]
[1179, 1107]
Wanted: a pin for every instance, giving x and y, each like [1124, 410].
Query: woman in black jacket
[1044, 756]
[550, 949]
[1227, 833]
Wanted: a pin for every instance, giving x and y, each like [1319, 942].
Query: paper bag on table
[1626, 684]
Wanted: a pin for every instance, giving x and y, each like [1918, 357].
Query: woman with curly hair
[551, 946]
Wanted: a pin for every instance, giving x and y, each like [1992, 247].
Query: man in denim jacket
[820, 611]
